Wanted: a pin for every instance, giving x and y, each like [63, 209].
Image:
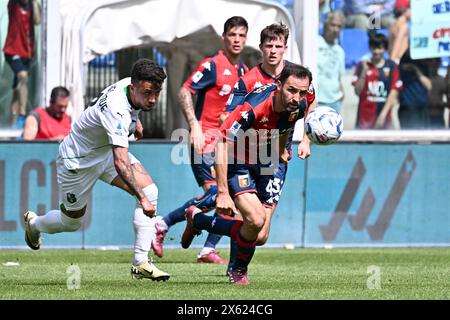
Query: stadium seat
[107, 60]
[356, 45]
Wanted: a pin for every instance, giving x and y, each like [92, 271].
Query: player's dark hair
[273, 32]
[296, 70]
[147, 70]
[377, 40]
[235, 21]
[59, 92]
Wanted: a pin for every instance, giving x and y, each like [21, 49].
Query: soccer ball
[324, 125]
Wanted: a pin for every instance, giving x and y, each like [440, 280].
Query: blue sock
[233, 254]
[215, 224]
[213, 239]
[245, 251]
[206, 203]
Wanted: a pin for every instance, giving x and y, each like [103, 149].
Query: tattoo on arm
[125, 171]
[187, 105]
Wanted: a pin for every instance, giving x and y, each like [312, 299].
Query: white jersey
[107, 122]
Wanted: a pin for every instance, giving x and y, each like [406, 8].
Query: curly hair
[148, 70]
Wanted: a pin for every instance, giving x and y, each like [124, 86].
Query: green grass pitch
[407, 273]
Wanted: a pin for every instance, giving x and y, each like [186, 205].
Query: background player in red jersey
[212, 82]
[272, 106]
[377, 83]
[19, 50]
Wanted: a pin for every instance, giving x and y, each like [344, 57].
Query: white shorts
[75, 186]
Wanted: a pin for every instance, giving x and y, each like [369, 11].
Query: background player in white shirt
[97, 148]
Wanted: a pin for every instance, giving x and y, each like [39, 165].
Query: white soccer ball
[324, 125]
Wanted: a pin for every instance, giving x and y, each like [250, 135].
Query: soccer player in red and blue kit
[212, 82]
[267, 115]
[377, 83]
[273, 40]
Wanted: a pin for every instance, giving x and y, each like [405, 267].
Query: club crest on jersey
[244, 181]
[293, 116]
[197, 76]
[386, 72]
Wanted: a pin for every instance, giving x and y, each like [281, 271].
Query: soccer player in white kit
[97, 148]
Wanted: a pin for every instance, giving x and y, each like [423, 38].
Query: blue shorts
[17, 64]
[203, 167]
[247, 178]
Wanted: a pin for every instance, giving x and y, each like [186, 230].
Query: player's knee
[256, 222]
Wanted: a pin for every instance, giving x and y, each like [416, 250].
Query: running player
[272, 106]
[97, 148]
[273, 44]
[212, 82]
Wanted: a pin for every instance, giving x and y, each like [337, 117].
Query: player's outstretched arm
[187, 106]
[125, 171]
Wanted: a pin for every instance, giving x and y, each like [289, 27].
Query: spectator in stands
[331, 62]
[369, 14]
[19, 50]
[436, 98]
[399, 31]
[413, 113]
[51, 123]
[377, 83]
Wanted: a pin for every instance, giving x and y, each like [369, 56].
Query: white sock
[144, 227]
[55, 222]
[205, 251]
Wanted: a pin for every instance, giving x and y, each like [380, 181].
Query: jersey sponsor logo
[207, 65]
[227, 72]
[244, 181]
[226, 89]
[376, 89]
[235, 128]
[197, 76]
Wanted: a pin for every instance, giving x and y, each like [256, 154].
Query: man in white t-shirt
[97, 148]
[331, 63]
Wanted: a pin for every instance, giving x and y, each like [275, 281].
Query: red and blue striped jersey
[377, 85]
[257, 113]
